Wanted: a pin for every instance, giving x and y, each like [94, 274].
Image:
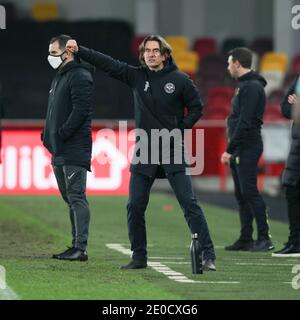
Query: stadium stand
[205, 46]
[262, 45]
[45, 11]
[28, 83]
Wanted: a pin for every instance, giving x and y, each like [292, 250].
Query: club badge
[169, 87]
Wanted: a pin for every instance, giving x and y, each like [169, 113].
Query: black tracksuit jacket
[291, 174]
[248, 106]
[159, 101]
[67, 131]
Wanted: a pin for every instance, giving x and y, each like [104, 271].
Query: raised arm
[115, 68]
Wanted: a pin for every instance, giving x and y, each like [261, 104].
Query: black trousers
[250, 202]
[293, 203]
[139, 190]
[71, 182]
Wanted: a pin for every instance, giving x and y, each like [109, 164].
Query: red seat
[276, 96]
[218, 102]
[273, 112]
[205, 46]
[295, 66]
[213, 65]
[135, 43]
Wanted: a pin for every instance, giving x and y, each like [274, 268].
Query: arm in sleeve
[115, 68]
[81, 87]
[286, 107]
[249, 97]
[193, 102]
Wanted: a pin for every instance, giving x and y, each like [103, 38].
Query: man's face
[54, 49]
[233, 67]
[152, 56]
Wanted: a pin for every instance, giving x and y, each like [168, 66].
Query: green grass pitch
[33, 228]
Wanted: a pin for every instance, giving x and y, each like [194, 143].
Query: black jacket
[291, 174]
[248, 106]
[159, 100]
[67, 131]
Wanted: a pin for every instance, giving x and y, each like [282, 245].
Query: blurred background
[201, 33]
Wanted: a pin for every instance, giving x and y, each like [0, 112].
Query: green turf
[32, 228]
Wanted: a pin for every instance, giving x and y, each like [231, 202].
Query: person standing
[244, 149]
[160, 92]
[291, 177]
[67, 136]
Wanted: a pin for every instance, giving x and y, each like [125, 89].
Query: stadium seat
[187, 61]
[135, 43]
[205, 46]
[295, 66]
[274, 80]
[262, 45]
[178, 43]
[218, 102]
[231, 43]
[213, 65]
[276, 96]
[273, 112]
[274, 61]
[273, 67]
[45, 11]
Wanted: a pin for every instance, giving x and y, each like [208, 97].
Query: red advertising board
[26, 164]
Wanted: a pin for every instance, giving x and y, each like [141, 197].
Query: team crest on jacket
[169, 87]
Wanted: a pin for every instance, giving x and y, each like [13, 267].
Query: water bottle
[196, 257]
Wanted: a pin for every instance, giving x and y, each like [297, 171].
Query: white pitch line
[8, 294]
[165, 270]
[166, 258]
[264, 264]
[177, 262]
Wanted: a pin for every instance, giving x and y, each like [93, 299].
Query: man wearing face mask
[67, 136]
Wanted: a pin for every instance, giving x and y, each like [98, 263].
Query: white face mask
[55, 61]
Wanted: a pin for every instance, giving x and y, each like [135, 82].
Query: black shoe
[59, 255]
[135, 264]
[262, 245]
[72, 254]
[209, 265]
[287, 245]
[240, 245]
[289, 250]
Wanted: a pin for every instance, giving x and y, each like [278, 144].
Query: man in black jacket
[67, 136]
[291, 180]
[244, 150]
[160, 92]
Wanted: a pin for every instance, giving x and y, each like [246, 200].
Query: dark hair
[165, 48]
[62, 40]
[242, 55]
